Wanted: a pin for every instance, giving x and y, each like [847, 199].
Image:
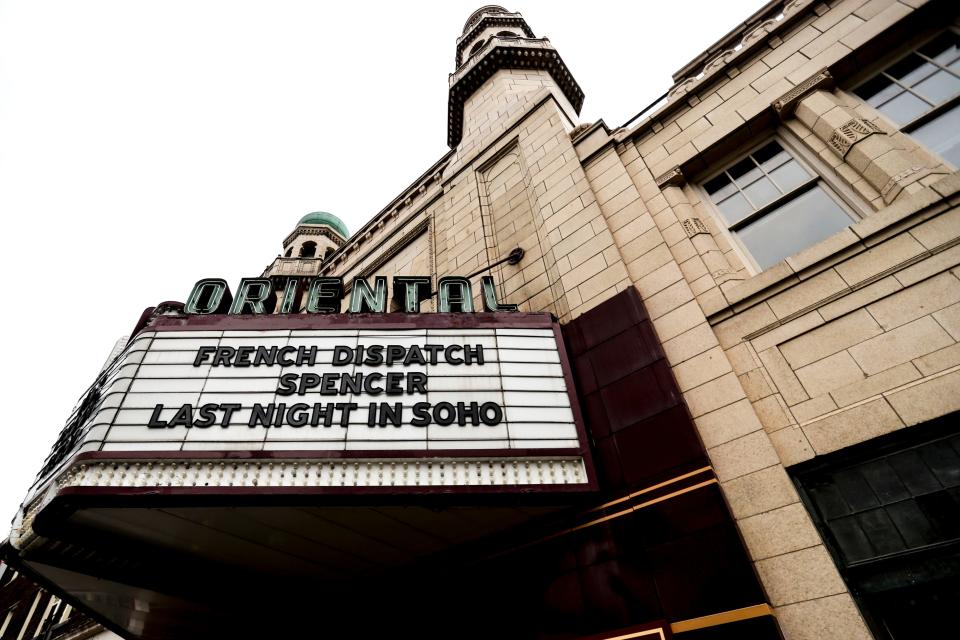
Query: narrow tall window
[920, 93]
[774, 205]
[308, 250]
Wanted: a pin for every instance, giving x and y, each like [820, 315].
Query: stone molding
[895, 185]
[672, 178]
[786, 104]
[850, 133]
[304, 230]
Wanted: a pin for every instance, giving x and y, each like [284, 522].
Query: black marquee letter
[210, 295]
[325, 295]
[291, 296]
[455, 294]
[254, 295]
[364, 299]
[490, 302]
[410, 290]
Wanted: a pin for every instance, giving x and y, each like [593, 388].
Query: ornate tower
[316, 237]
[502, 69]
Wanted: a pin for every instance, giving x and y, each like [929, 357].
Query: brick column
[892, 170]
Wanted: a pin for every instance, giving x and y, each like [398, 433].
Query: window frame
[821, 174]
[911, 48]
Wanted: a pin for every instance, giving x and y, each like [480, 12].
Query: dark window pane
[939, 87]
[761, 192]
[719, 187]
[913, 525]
[735, 208]
[880, 531]
[856, 490]
[904, 108]
[851, 539]
[943, 512]
[878, 90]
[744, 172]
[884, 481]
[789, 176]
[911, 70]
[828, 499]
[771, 155]
[944, 48]
[798, 224]
[943, 462]
[942, 136]
[914, 472]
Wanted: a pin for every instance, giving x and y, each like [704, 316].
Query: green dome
[322, 217]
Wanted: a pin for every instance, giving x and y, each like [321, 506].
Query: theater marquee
[339, 389]
[221, 404]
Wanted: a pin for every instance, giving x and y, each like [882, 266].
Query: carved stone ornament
[725, 275]
[850, 133]
[785, 104]
[694, 226]
[672, 178]
[895, 185]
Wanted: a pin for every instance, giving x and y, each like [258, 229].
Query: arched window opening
[477, 46]
[329, 252]
[308, 250]
[289, 252]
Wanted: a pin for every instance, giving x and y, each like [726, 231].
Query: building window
[889, 512]
[920, 93]
[774, 205]
[288, 253]
[308, 250]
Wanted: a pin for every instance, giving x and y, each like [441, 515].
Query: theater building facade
[696, 376]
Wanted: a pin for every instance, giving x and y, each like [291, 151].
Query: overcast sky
[144, 145]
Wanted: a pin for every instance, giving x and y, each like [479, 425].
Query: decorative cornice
[752, 35]
[850, 133]
[395, 248]
[787, 103]
[306, 230]
[477, 15]
[544, 58]
[672, 178]
[502, 20]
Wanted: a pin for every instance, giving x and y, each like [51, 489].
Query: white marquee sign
[337, 390]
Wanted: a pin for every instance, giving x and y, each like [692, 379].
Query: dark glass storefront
[889, 510]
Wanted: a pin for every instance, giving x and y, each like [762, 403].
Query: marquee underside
[161, 566]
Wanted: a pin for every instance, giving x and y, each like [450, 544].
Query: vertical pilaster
[861, 143]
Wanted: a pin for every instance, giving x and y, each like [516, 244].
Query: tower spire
[500, 66]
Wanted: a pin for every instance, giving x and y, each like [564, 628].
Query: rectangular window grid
[920, 92]
[774, 205]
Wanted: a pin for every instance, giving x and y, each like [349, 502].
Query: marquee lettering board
[490, 386]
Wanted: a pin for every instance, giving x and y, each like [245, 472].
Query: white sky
[144, 145]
